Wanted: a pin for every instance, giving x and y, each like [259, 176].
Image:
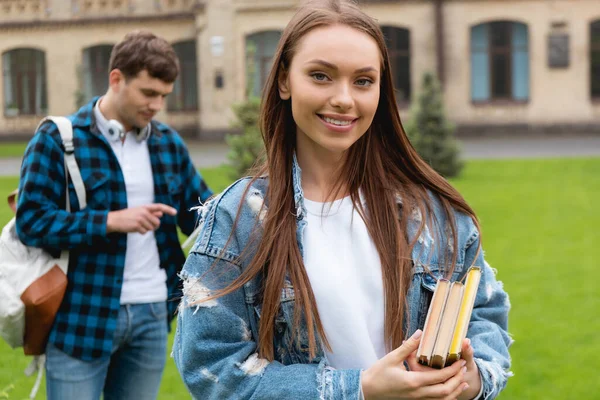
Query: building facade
[503, 63]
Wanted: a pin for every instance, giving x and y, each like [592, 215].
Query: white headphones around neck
[117, 131]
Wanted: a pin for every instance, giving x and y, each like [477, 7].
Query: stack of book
[448, 320]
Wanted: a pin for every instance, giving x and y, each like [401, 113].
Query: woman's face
[333, 84]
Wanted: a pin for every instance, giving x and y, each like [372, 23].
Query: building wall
[557, 96]
[65, 28]
[65, 31]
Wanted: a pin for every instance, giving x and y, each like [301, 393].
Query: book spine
[432, 322]
[464, 316]
[447, 325]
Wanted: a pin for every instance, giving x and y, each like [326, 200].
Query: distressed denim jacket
[215, 347]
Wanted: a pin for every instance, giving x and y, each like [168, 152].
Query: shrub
[431, 134]
[247, 148]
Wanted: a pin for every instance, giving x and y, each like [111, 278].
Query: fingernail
[417, 334]
[463, 363]
[468, 342]
[465, 387]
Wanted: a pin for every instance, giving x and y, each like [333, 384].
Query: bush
[246, 148]
[431, 134]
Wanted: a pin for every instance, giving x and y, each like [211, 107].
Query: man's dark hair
[142, 50]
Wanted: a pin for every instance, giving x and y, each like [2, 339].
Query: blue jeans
[134, 369]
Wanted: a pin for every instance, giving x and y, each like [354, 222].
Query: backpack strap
[66, 133]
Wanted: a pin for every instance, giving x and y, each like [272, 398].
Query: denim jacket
[215, 347]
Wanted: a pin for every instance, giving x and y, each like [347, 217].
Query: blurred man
[110, 334]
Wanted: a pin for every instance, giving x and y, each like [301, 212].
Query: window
[260, 47]
[24, 73]
[595, 58]
[500, 61]
[398, 45]
[95, 70]
[185, 89]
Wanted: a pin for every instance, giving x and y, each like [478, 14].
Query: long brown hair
[382, 164]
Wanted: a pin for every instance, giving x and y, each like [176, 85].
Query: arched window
[95, 70]
[398, 44]
[24, 73]
[185, 90]
[499, 61]
[261, 48]
[595, 58]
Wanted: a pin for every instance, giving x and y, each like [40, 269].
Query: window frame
[16, 58]
[594, 49]
[263, 62]
[509, 51]
[97, 75]
[395, 52]
[188, 75]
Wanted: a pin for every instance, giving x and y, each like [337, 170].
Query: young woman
[306, 279]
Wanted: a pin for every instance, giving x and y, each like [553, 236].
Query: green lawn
[539, 230]
[9, 149]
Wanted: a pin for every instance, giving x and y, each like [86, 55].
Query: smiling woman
[333, 80]
[306, 278]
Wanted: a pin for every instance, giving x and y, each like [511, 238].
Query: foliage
[431, 134]
[246, 148]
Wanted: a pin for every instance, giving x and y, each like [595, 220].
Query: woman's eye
[319, 76]
[364, 82]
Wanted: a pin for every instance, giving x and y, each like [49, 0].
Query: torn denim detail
[494, 378]
[253, 365]
[194, 293]
[334, 384]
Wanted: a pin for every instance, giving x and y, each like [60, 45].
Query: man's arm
[41, 218]
[195, 191]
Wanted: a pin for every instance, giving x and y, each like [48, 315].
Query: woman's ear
[283, 83]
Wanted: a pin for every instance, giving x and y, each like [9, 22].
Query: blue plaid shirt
[86, 321]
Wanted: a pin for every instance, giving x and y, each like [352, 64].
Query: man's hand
[140, 219]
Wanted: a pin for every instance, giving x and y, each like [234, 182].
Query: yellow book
[432, 322]
[447, 325]
[464, 316]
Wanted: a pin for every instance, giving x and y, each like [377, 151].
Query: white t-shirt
[344, 270]
[143, 279]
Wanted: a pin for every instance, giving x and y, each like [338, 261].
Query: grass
[10, 149]
[540, 227]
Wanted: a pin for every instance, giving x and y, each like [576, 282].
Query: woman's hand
[389, 379]
[471, 376]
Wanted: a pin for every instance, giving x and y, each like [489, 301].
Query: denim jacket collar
[298, 192]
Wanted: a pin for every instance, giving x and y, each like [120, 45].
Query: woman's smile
[338, 123]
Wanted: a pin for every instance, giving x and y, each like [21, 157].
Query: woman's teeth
[337, 122]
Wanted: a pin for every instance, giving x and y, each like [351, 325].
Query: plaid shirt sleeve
[196, 192]
[41, 220]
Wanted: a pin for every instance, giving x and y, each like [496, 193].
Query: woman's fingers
[432, 376]
[467, 351]
[450, 389]
[403, 352]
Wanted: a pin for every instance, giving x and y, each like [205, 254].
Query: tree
[431, 134]
[246, 148]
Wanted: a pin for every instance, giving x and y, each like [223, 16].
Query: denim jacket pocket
[288, 349]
